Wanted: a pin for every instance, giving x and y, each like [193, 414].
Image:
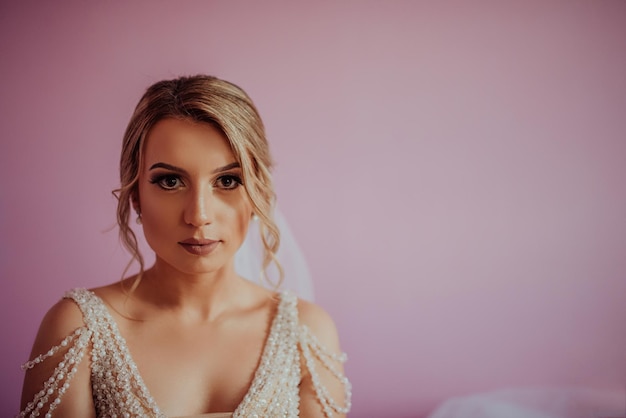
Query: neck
[193, 297]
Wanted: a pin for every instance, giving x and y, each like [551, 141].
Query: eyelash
[159, 180]
[235, 179]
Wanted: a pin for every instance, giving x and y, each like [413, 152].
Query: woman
[188, 336]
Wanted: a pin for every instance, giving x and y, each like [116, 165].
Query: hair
[203, 99]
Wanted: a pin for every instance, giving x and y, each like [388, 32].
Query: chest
[202, 369]
[177, 372]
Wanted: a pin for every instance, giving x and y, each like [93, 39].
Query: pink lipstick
[199, 246]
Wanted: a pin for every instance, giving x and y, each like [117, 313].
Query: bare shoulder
[324, 390]
[63, 318]
[320, 323]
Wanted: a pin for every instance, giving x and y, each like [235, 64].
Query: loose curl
[204, 99]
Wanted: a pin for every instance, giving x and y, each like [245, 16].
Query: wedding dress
[119, 391]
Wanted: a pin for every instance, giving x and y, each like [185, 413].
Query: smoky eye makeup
[167, 181]
[228, 181]
[228, 177]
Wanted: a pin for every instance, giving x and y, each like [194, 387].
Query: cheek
[163, 209]
[242, 217]
[244, 223]
[155, 213]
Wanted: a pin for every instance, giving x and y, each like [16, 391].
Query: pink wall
[455, 174]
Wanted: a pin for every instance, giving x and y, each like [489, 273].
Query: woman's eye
[168, 182]
[229, 182]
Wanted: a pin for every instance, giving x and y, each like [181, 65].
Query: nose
[199, 209]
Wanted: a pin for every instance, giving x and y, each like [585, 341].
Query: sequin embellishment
[119, 391]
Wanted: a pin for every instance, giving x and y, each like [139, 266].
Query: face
[194, 208]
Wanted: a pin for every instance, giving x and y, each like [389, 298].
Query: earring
[255, 217]
[138, 220]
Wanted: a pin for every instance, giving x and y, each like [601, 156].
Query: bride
[188, 336]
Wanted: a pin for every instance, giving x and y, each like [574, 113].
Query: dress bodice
[119, 390]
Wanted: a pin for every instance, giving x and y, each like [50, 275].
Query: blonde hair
[203, 99]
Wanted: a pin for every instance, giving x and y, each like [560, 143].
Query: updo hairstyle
[203, 99]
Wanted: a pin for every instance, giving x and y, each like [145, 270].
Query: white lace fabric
[119, 391]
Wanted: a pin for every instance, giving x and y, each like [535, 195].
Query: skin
[195, 329]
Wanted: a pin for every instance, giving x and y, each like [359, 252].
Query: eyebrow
[183, 171]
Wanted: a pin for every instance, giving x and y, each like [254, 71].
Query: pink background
[455, 174]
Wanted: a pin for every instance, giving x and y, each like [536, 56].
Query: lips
[199, 246]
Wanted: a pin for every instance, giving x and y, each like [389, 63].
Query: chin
[203, 266]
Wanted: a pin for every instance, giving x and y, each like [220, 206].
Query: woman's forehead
[187, 143]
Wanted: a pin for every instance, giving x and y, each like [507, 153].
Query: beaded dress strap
[109, 358]
[311, 349]
[112, 366]
[59, 382]
[274, 388]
